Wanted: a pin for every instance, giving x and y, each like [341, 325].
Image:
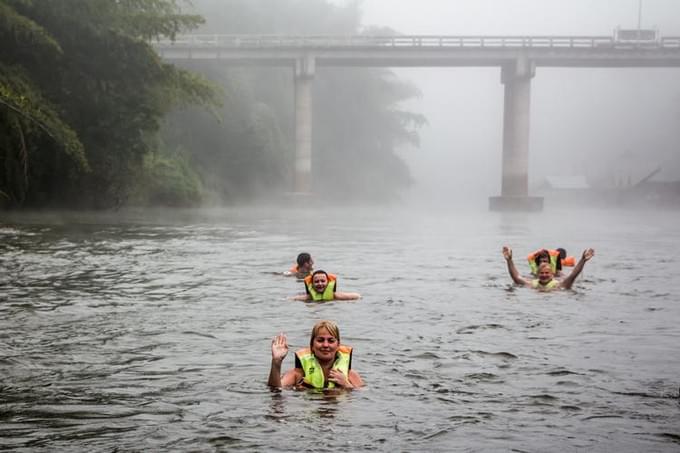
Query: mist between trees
[91, 117]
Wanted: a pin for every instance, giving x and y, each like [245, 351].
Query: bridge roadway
[517, 56]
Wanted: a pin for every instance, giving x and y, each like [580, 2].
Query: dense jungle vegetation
[91, 117]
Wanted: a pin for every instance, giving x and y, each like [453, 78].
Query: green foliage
[23, 102]
[26, 121]
[19, 31]
[167, 180]
[140, 19]
[83, 97]
[242, 155]
[358, 121]
[91, 82]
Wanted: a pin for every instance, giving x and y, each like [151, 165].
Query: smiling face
[319, 282]
[545, 274]
[324, 345]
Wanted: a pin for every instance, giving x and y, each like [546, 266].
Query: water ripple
[140, 334]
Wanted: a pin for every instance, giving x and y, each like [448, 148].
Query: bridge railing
[417, 41]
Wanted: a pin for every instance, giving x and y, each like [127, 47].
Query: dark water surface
[138, 333]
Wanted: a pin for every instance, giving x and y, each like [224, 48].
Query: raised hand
[588, 253]
[507, 253]
[279, 347]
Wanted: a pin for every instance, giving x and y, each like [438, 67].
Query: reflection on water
[135, 333]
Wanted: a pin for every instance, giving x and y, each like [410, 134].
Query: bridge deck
[414, 41]
[574, 51]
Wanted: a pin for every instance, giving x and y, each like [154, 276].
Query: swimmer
[325, 364]
[321, 286]
[546, 277]
[304, 264]
[556, 258]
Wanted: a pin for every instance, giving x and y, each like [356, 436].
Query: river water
[148, 331]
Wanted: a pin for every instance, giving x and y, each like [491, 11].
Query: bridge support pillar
[516, 115]
[304, 76]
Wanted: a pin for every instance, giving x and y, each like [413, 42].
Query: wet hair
[320, 272]
[303, 258]
[562, 255]
[330, 326]
[542, 254]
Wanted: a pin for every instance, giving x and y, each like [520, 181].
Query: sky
[552, 17]
[610, 125]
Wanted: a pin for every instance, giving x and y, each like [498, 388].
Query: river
[151, 331]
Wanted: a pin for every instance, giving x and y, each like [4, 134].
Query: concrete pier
[304, 76]
[516, 55]
[516, 77]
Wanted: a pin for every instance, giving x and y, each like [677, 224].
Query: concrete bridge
[516, 56]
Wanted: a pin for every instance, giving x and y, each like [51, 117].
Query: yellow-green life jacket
[554, 256]
[328, 293]
[314, 373]
[552, 284]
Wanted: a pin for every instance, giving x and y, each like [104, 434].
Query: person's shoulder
[293, 378]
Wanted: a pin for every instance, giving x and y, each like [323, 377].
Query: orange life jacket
[554, 258]
[569, 261]
[331, 278]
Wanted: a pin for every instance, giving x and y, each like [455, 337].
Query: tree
[358, 121]
[83, 74]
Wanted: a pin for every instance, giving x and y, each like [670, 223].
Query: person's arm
[279, 352]
[346, 296]
[355, 379]
[507, 254]
[292, 378]
[569, 281]
[302, 297]
[352, 381]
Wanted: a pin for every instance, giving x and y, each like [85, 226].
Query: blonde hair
[330, 326]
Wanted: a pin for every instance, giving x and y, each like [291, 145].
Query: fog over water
[608, 125]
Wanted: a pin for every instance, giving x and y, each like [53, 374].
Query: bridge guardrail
[276, 41]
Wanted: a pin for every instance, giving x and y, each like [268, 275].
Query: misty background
[613, 126]
[93, 117]
[610, 128]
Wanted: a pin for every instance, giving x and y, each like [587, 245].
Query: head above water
[320, 280]
[331, 328]
[305, 262]
[545, 273]
[543, 256]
